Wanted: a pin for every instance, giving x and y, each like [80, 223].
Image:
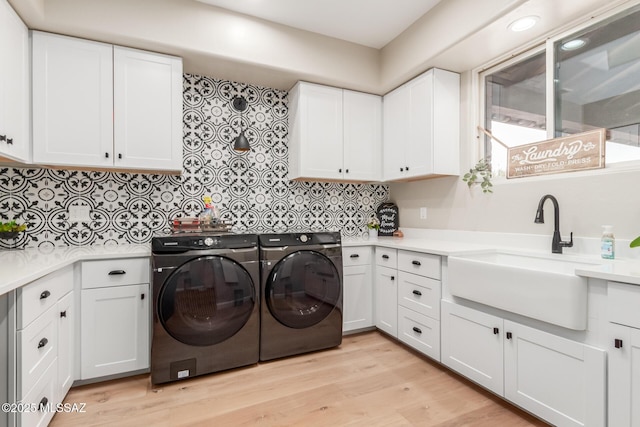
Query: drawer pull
[385, 256]
[496, 331]
[354, 256]
[617, 343]
[45, 294]
[415, 292]
[393, 277]
[63, 313]
[42, 406]
[414, 262]
[141, 296]
[509, 336]
[43, 342]
[416, 329]
[117, 272]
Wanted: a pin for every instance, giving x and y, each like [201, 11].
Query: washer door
[302, 289]
[206, 301]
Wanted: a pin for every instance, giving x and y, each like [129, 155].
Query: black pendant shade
[240, 143]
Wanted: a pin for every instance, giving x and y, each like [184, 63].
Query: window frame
[545, 43]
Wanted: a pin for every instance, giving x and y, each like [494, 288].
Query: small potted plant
[480, 174]
[373, 225]
[10, 230]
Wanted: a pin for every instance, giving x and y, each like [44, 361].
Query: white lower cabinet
[114, 330]
[624, 376]
[357, 301]
[386, 300]
[419, 331]
[65, 313]
[559, 380]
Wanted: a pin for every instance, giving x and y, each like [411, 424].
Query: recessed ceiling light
[573, 44]
[523, 24]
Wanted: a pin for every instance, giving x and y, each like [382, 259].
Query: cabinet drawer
[356, 256]
[43, 393]
[420, 294]
[115, 272]
[42, 294]
[624, 304]
[417, 263]
[387, 257]
[420, 332]
[37, 347]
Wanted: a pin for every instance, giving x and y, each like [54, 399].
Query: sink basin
[543, 288]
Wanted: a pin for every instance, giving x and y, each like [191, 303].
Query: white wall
[587, 199]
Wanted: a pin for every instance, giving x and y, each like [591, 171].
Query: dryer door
[302, 289]
[206, 300]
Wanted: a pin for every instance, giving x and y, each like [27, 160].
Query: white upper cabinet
[421, 127]
[335, 134]
[105, 106]
[14, 86]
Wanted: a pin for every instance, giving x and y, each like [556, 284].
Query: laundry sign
[570, 153]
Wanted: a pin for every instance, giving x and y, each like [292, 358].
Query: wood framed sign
[581, 151]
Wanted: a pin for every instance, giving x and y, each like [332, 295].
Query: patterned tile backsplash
[250, 189]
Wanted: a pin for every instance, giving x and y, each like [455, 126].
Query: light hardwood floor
[370, 380]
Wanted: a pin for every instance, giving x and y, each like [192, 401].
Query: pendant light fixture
[240, 143]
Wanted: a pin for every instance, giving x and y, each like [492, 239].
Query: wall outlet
[79, 213]
[423, 213]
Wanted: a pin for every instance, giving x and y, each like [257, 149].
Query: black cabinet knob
[63, 313]
[401, 169]
[509, 336]
[617, 343]
[106, 155]
[416, 263]
[354, 256]
[339, 170]
[42, 342]
[385, 256]
[418, 330]
[416, 292]
[3, 137]
[42, 406]
[393, 277]
[347, 170]
[10, 141]
[407, 168]
[45, 295]
[119, 155]
[141, 296]
[496, 331]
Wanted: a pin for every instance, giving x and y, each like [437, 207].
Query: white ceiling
[372, 23]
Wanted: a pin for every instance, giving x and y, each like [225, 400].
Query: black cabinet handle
[416, 263]
[339, 170]
[119, 155]
[496, 331]
[347, 170]
[43, 404]
[42, 342]
[45, 295]
[3, 137]
[415, 329]
[63, 313]
[385, 256]
[401, 169]
[509, 336]
[407, 168]
[106, 155]
[393, 277]
[10, 141]
[415, 292]
[141, 296]
[117, 272]
[354, 256]
[617, 343]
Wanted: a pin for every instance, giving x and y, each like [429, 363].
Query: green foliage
[373, 223]
[11, 226]
[635, 243]
[480, 174]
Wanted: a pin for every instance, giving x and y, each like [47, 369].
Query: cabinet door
[362, 136]
[317, 132]
[147, 110]
[395, 133]
[357, 298]
[66, 343]
[14, 85]
[419, 153]
[72, 101]
[561, 381]
[386, 300]
[624, 376]
[114, 330]
[471, 344]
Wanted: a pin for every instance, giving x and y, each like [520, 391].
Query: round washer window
[302, 289]
[206, 301]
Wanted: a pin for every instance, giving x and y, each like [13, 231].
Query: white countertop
[435, 247]
[20, 267]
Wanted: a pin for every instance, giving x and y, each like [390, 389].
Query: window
[594, 81]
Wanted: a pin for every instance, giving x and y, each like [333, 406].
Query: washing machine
[206, 305]
[301, 283]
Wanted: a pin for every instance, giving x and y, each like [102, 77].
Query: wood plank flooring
[370, 380]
